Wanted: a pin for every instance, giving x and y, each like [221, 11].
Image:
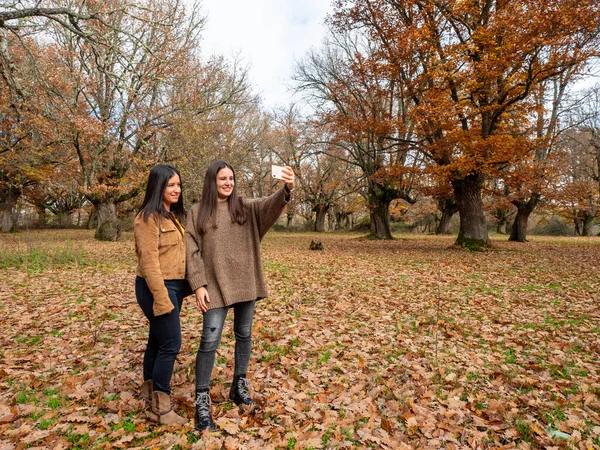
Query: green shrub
[552, 227]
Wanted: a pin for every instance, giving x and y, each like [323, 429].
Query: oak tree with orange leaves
[360, 112]
[470, 69]
[28, 148]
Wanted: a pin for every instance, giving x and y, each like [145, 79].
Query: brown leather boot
[147, 393]
[162, 411]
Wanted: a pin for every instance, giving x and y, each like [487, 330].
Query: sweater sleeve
[147, 240]
[196, 274]
[268, 209]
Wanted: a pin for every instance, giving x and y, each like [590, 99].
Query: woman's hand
[287, 175]
[202, 299]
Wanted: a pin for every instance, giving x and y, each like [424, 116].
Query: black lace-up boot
[203, 418]
[239, 391]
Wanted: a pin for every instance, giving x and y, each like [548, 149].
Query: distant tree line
[420, 108]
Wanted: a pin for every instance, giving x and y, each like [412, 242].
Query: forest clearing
[407, 344]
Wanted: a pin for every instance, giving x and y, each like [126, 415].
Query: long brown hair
[210, 198]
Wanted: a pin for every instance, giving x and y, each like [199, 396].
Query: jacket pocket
[168, 237]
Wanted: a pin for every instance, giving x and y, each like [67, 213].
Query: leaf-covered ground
[403, 344]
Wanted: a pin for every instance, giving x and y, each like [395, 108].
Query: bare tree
[580, 181]
[121, 82]
[22, 19]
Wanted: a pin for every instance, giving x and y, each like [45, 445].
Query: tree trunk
[379, 198]
[448, 207]
[92, 221]
[518, 232]
[341, 219]
[109, 228]
[338, 220]
[64, 220]
[320, 220]
[578, 225]
[473, 232]
[7, 211]
[380, 220]
[432, 224]
[289, 217]
[502, 226]
[587, 222]
[42, 215]
[331, 221]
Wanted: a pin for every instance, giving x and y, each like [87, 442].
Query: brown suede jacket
[160, 249]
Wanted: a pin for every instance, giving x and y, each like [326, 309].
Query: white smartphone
[276, 172]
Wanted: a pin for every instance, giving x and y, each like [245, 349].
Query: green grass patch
[567, 371]
[41, 257]
[472, 376]
[46, 423]
[22, 397]
[78, 441]
[29, 340]
[128, 425]
[524, 430]
[276, 266]
[554, 415]
[510, 356]
[273, 352]
[324, 357]
[55, 402]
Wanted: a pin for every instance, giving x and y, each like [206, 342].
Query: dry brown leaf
[7, 414]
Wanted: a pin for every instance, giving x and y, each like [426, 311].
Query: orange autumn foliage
[469, 70]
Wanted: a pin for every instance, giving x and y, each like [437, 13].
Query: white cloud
[268, 34]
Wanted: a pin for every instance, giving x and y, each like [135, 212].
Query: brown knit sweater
[226, 260]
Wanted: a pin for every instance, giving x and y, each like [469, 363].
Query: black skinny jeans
[164, 337]
[212, 329]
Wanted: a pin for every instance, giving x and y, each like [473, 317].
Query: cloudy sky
[269, 35]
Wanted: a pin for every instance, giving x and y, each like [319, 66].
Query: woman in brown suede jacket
[160, 286]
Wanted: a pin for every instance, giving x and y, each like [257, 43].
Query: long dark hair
[155, 191]
[210, 199]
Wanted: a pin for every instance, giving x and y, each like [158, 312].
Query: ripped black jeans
[212, 329]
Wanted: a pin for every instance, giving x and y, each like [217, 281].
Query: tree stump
[316, 245]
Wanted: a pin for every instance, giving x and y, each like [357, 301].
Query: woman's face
[172, 192]
[225, 183]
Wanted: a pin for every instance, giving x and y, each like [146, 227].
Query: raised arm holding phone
[225, 272]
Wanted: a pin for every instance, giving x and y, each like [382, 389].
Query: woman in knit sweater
[225, 272]
[160, 286]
